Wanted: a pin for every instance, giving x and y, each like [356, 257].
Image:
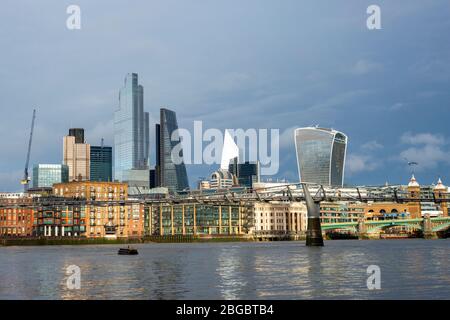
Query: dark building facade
[247, 172]
[172, 175]
[157, 173]
[101, 164]
[78, 133]
[153, 178]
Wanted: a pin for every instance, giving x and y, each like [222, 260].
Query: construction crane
[26, 178]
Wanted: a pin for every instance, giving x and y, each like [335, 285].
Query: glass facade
[321, 155]
[45, 175]
[173, 176]
[131, 129]
[101, 163]
[195, 219]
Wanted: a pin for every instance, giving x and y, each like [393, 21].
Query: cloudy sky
[234, 64]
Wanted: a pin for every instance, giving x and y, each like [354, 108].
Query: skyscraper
[157, 175]
[173, 176]
[321, 155]
[131, 131]
[101, 163]
[247, 172]
[78, 133]
[77, 157]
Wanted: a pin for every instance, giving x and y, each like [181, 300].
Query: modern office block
[45, 175]
[78, 133]
[172, 175]
[77, 157]
[247, 173]
[131, 128]
[101, 163]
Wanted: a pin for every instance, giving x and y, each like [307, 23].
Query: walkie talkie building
[321, 155]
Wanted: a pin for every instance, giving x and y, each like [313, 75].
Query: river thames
[410, 269]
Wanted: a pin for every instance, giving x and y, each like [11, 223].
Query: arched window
[394, 211]
[382, 211]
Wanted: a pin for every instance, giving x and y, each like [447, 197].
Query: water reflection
[411, 269]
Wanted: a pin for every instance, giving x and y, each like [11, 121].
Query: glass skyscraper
[321, 155]
[45, 175]
[131, 130]
[101, 164]
[247, 173]
[172, 176]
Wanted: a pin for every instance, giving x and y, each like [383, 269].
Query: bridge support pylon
[314, 236]
[427, 228]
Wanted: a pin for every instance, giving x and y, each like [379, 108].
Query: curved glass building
[321, 155]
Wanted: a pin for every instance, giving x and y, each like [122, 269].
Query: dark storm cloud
[232, 64]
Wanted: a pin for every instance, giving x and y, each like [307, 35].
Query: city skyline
[308, 80]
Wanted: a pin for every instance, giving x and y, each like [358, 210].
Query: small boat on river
[128, 251]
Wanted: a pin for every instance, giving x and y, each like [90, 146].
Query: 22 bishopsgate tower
[321, 155]
[131, 130]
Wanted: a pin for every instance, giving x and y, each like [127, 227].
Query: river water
[409, 269]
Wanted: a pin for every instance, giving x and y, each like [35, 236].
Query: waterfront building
[45, 175]
[222, 179]
[92, 220]
[386, 211]
[172, 175]
[247, 173]
[195, 219]
[101, 163]
[16, 215]
[77, 157]
[321, 155]
[279, 218]
[440, 193]
[131, 131]
[341, 211]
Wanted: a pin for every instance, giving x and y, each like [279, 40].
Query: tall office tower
[101, 163]
[131, 128]
[247, 173]
[158, 155]
[321, 155]
[77, 156]
[45, 175]
[78, 133]
[173, 176]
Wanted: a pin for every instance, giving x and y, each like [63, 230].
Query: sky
[234, 64]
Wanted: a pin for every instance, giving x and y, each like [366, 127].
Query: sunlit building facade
[321, 155]
[77, 156]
